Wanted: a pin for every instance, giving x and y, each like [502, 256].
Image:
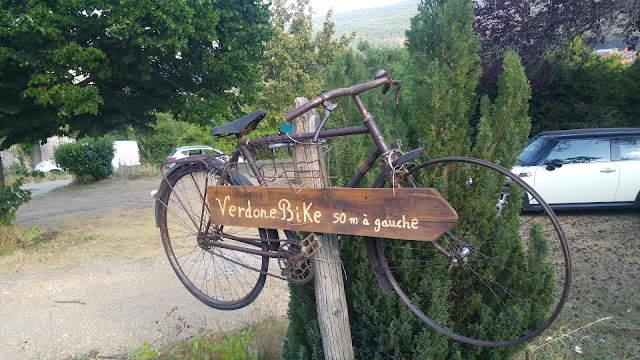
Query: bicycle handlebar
[386, 80]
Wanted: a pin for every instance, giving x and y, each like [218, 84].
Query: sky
[320, 7]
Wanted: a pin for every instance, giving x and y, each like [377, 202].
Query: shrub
[88, 160]
[11, 197]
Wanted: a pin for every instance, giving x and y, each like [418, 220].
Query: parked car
[185, 151]
[46, 166]
[585, 168]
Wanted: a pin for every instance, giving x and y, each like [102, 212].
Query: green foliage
[380, 26]
[442, 74]
[11, 197]
[157, 141]
[303, 340]
[88, 160]
[445, 70]
[296, 57]
[13, 238]
[504, 126]
[203, 346]
[441, 100]
[586, 91]
[87, 67]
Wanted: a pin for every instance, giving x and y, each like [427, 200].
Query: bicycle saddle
[241, 126]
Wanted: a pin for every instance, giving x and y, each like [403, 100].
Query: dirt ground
[102, 283]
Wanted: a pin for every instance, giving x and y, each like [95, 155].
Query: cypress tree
[440, 101]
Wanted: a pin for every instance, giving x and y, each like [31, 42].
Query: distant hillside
[379, 26]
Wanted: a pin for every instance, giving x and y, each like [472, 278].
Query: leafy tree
[88, 66]
[587, 91]
[296, 58]
[535, 28]
[166, 134]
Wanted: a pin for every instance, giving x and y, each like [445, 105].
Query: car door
[578, 171]
[626, 154]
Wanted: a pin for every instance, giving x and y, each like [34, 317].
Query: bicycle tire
[509, 284]
[220, 278]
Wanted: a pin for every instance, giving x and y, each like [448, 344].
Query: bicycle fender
[411, 155]
[374, 261]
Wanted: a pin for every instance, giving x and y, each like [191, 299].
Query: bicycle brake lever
[329, 106]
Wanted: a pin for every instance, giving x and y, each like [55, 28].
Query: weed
[12, 238]
[563, 344]
[93, 354]
[205, 345]
[79, 239]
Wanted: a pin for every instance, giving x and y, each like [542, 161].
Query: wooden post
[331, 301]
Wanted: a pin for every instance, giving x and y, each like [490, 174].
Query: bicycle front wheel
[498, 277]
[221, 277]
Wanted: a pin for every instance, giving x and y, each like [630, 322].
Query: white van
[125, 153]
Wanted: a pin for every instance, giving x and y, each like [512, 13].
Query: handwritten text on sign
[412, 214]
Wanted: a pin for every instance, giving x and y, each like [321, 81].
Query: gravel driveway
[104, 284]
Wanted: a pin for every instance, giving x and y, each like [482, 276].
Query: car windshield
[533, 151]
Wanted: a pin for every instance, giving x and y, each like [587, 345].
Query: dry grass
[10, 236]
[268, 336]
[135, 172]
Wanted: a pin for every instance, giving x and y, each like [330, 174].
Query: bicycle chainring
[295, 265]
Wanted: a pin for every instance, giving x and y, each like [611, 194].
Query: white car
[46, 166]
[186, 151]
[585, 168]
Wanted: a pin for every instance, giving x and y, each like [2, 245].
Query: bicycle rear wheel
[499, 277]
[222, 278]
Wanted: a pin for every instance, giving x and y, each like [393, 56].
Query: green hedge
[88, 160]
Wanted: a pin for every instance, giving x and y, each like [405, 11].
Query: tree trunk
[331, 301]
[1, 173]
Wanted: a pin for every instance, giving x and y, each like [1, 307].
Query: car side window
[629, 148]
[580, 151]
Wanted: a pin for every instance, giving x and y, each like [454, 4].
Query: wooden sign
[406, 213]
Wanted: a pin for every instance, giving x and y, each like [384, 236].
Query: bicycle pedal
[310, 245]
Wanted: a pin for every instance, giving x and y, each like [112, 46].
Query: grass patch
[13, 238]
[568, 343]
[79, 239]
[268, 336]
[262, 340]
[136, 172]
[205, 345]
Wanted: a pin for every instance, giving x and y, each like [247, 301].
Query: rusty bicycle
[222, 250]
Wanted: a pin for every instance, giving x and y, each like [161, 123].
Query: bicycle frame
[391, 158]
[471, 184]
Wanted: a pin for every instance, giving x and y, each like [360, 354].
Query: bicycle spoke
[496, 260]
